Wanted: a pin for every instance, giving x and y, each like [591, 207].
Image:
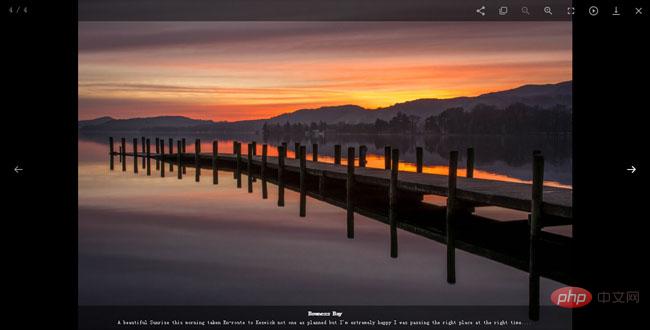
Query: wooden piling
[123, 153]
[183, 152]
[303, 181]
[162, 158]
[282, 154]
[296, 148]
[157, 154]
[265, 192]
[450, 216]
[387, 161]
[363, 150]
[349, 186]
[144, 152]
[148, 157]
[238, 165]
[234, 152]
[535, 228]
[392, 202]
[197, 160]
[249, 167]
[314, 152]
[111, 150]
[215, 156]
[337, 154]
[171, 151]
[135, 155]
[470, 163]
[179, 160]
[254, 146]
[419, 159]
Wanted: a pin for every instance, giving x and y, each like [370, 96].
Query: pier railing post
[470, 163]
[265, 192]
[234, 152]
[392, 202]
[419, 159]
[451, 217]
[215, 159]
[123, 153]
[135, 155]
[179, 172]
[349, 185]
[387, 161]
[296, 148]
[282, 154]
[249, 167]
[314, 152]
[144, 152]
[183, 152]
[148, 157]
[254, 146]
[303, 179]
[363, 150]
[120, 154]
[171, 151]
[162, 158]
[111, 150]
[337, 154]
[238, 165]
[157, 154]
[197, 160]
[535, 228]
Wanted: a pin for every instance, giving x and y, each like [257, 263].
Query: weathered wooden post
[215, 156]
[254, 146]
[392, 202]
[337, 154]
[123, 152]
[162, 158]
[144, 152]
[238, 165]
[284, 144]
[387, 161]
[183, 151]
[296, 149]
[171, 151]
[197, 160]
[419, 159]
[148, 157]
[110, 152]
[265, 192]
[282, 154]
[120, 156]
[234, 152]
[363, 150]
[349, 186]
[450, 217]
[180, 159]
[314, 152]
[470, 163]
[135, 155]
[535, 228]
[249, 167]
[157, 154]
[303, 179]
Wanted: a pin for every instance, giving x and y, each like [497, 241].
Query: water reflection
[162, 241]
[503, 158]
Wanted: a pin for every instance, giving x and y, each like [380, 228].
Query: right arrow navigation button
[632, 169]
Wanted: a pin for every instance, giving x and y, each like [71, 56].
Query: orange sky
[249, 70]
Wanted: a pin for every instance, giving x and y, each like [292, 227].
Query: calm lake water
[163, 241]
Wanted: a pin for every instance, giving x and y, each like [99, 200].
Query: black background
[611, 64]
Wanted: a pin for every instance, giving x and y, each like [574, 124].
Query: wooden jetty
[396, 198]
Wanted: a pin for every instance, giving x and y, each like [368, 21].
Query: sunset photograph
[325, 163]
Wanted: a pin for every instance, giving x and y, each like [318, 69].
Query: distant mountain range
[542, 96]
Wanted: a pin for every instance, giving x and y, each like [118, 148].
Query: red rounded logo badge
[570, 297]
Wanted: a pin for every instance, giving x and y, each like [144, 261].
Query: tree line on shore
[515, 119]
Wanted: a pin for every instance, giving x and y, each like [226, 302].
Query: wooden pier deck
[395, 198]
